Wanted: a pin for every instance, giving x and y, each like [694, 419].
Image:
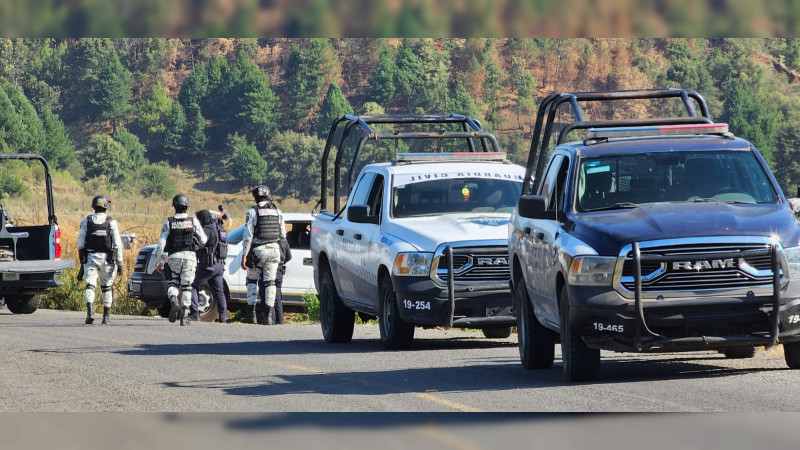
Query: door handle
[357, 236]
[340, 232]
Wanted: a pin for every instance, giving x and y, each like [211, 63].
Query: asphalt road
[51, 361]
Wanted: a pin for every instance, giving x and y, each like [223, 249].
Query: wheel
[537, 344]
[396, 333]
[581, 363]
[336, 319]
[792, 354]
[497, 333]
[740, 352]
[206, 304]
[23, 304]
[163, 310]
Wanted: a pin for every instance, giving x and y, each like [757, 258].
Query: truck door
[349, 243]
[365, 239]
[541, 245]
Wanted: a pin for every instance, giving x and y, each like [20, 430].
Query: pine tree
[194, 90]
[521, 83]
[292, 160]
[433, 92]
[150, 115]
[58, 148]
[382, 80]
[197, 138]
[12, 130]
[306, 72]
[334, 106]
[409, 69]
[253, 103]
[174, 144]
[111, 91]
[31, 132]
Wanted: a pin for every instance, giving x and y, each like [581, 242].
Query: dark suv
[651, 235]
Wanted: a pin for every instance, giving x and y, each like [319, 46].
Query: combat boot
[184, 317]
[174, 309]
[89, 314]
[268, 315]
[106, 315]
[250, 314]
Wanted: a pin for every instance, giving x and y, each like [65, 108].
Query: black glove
[83, 256]
[119, 270]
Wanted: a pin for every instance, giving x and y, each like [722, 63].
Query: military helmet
[260, 191]
[180, 200]
[101, 202]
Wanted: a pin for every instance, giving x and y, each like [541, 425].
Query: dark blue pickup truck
[650, 235]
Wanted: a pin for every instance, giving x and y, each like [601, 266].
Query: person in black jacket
[210, 266]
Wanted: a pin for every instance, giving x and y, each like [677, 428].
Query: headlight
[592, 270]
[151, 263]
[793, 257]
[412, 264]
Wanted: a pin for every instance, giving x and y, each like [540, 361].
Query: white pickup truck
[422, 240]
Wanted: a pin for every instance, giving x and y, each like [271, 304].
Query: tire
[206, 304]
[396, 333]
[792, 354]
[537, 344]
[581, 363]
[740, 353]
[163, 310]
[497, 333]
[336, 319]
[23, 304]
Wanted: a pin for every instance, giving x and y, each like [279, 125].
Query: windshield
[629, 180]
[456, 195]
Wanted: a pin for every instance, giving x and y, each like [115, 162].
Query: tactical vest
[98, 237]
[268, 224]
[181, 235]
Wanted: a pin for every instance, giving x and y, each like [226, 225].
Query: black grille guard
[642, 330]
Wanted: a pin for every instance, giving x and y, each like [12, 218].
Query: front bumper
[423, 302]
[703, 320]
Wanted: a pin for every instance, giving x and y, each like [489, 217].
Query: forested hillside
[121, 115]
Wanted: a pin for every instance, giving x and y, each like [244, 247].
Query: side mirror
[360, 214]
[794, 205]
[534, 207]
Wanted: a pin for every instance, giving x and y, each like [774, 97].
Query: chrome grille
[751, 271]
[141, 262]
[467, 267]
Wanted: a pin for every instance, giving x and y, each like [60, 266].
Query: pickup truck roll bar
[546, 115]
[471, 129]
[51, 213]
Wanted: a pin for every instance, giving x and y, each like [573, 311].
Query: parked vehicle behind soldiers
[264, 227]
[180, 235]
[210, 266]
[100, 250]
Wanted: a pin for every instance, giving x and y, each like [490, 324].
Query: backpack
[222, 242]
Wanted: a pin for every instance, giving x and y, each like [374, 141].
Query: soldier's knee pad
[252, 281]
[105, 288]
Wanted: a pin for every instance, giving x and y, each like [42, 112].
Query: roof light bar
[663, 130]
[462, 156]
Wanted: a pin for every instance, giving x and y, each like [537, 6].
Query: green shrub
[311, 307]
[157, 179]
[69, 296]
